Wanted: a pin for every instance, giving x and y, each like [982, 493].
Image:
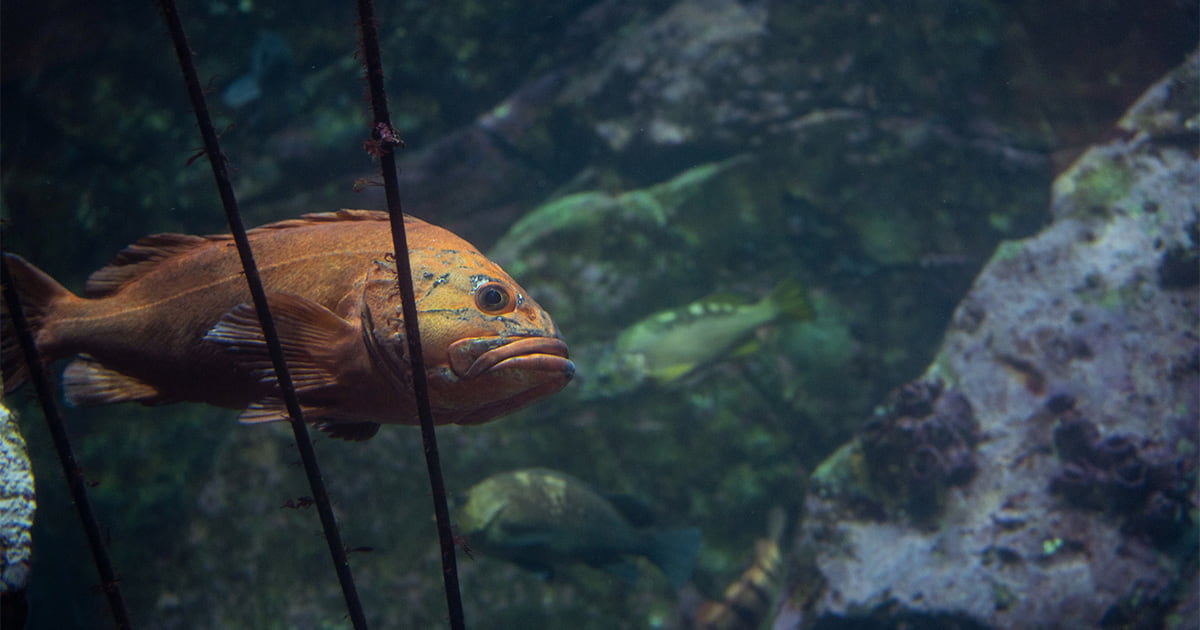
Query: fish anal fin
[669, 373]
[135, 260]
[308, 332]
[266, 410]
[272, 409]
[750, 348]
[352, 431]
[88, 382]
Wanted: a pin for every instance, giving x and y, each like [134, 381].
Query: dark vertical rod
[385, 141]
[303, 443]
[109, 581]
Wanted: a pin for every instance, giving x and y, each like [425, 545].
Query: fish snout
[470, 358]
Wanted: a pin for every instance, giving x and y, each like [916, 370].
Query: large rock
[1043, 470]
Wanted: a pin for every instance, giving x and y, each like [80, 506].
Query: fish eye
[493, 298]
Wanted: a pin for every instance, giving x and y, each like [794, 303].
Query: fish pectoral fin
[308, 332]
[88, 382]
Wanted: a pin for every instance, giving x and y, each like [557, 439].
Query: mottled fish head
[489, 348]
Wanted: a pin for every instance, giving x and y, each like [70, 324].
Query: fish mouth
[470, 358]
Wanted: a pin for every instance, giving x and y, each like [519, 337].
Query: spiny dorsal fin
[133, 261]
[344, 214]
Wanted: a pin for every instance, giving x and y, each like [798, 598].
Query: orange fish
[171, 320]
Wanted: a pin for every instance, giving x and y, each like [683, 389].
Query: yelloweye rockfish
[170, 320]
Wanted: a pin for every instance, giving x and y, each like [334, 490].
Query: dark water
[876, 153]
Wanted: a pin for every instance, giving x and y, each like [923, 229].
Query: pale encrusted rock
[17, 505]
[1092, 321]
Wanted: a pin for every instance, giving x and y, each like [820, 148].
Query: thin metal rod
[109, 582]
[303, 443]
[384, 141]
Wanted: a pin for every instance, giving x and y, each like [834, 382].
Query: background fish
[746, 602]
[540, 518]
[669, 344]
[170, 320]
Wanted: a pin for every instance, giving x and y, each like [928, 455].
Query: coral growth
[1113, 474]
[921, 443]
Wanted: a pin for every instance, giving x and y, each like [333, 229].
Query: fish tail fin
[37, 292]
[789, 301]
[674, 552]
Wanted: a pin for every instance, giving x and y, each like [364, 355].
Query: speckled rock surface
[1078, 353]
[17, 505]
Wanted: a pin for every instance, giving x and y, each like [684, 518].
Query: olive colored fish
[170, 320]
[540, 518]
[669, 344]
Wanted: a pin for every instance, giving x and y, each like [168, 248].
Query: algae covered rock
[1077, 351]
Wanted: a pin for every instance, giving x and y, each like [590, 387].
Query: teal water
[621, 160]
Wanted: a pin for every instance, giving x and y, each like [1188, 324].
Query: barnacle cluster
[1149, 490]
[920, 443]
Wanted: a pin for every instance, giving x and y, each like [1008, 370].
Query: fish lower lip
[540, 354]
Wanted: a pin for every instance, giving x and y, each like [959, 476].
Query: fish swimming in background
[171, 320]
[272, 70]
[746, 602]
[670, 344]
[540, 518]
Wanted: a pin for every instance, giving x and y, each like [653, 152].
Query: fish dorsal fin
[308, 333]
[726, 297]
[88, 382]
[331, 217]
[133, 261]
